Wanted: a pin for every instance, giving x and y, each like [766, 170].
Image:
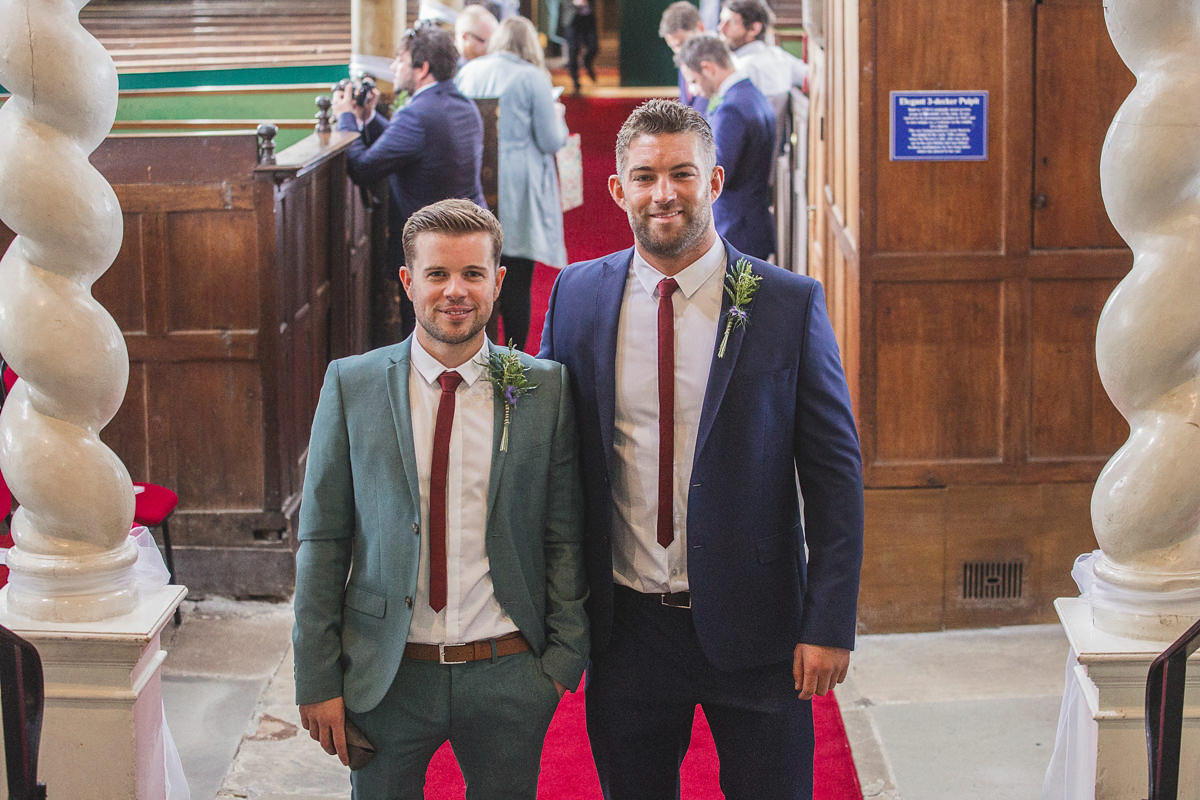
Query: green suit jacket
[360, 526]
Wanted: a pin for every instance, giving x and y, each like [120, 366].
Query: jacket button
[408, 602]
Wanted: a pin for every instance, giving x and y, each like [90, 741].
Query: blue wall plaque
[939, 126]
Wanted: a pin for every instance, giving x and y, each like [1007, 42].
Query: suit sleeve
[730, 135]
[566, 651]
[829, 467]
[325, 533]
[381, 151]
[546, 349]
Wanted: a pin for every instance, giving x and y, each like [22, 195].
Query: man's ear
[406, 280]
[756, 31]
[617, 191]
[716, 182]
[501, 271]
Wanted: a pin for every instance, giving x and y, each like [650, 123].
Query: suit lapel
[721, 369]
[397, 374]
[498, 458]
[607, 317]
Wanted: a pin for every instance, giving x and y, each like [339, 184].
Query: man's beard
[672, 245]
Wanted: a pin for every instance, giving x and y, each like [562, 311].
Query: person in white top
[439, 577]
[746, 26]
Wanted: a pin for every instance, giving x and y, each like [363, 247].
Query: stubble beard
[666, 246]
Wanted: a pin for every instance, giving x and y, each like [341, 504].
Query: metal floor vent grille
[993, 580]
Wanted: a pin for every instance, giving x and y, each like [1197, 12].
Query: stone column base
[102, 735]
[1111, 680]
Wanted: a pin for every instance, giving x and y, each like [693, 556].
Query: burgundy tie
[666, 410]
[437, 490]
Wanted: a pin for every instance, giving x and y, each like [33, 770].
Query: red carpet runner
[569, 774]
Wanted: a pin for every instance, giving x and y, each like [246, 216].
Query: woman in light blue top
[531, 129]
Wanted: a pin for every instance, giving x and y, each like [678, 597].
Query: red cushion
[152, 505]
[5, 498]
[10, 378]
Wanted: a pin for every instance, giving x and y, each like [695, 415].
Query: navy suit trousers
[641, 697]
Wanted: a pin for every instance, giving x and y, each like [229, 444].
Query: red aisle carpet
[569, 774]
[595, 229]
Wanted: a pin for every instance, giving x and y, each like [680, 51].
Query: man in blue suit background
[430, 150]
[743, 124]
[699, 412]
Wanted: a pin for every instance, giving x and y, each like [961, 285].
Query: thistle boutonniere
[740, 284]
[506, 373]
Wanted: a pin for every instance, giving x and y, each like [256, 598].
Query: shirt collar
[750, 48]
[690, 278]
[734, 77]
[429, 368]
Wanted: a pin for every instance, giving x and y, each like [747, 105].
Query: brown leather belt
[506, 645]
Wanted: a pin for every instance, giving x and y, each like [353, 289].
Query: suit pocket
[365, 601]
[772, 548]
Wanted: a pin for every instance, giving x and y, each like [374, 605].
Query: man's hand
[342, 101]
[326, 722]
[818, 669]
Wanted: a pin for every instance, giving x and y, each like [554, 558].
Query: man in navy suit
[432, 149]
[743, 124]
[707, 585]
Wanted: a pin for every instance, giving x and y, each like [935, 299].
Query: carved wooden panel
[1080, 83]
[939, 371]
[1071, 414]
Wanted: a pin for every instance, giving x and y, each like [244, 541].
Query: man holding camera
[431, 149]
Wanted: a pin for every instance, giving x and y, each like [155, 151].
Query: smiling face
[453, 283]
[667, 188]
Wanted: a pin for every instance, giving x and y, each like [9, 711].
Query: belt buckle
[442, 653]
[666, 599]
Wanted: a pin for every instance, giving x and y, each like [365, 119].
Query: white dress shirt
[771, 68]
[639, 562]
[471, 611]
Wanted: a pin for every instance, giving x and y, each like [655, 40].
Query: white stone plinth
[102, 735]
[1111, 677]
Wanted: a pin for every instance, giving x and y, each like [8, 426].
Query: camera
[360, 90]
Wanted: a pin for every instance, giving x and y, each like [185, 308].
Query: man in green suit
[439, 578]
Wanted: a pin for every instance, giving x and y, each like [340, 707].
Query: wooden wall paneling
[850, 127]
[939, 368]
[1071, 413]
[1080, 83]
[904, 561]
[936, 206]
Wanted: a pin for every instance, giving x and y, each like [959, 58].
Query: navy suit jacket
[763, 578]
[432, 149]
[743, 125]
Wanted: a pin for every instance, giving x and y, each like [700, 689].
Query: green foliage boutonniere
[505, 372]
[740, 284]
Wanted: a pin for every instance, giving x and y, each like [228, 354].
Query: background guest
[531, 129]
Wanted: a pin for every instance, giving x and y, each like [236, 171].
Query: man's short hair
[752, 11]
[426, 43]
[662, 116]
[679, 16]
[705, 47]
[479, 21]
[453, 217]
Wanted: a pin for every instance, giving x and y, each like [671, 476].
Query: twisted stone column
[1146, 503]
[73, 554]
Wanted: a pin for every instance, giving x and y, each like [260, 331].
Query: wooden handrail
[1165, 687]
